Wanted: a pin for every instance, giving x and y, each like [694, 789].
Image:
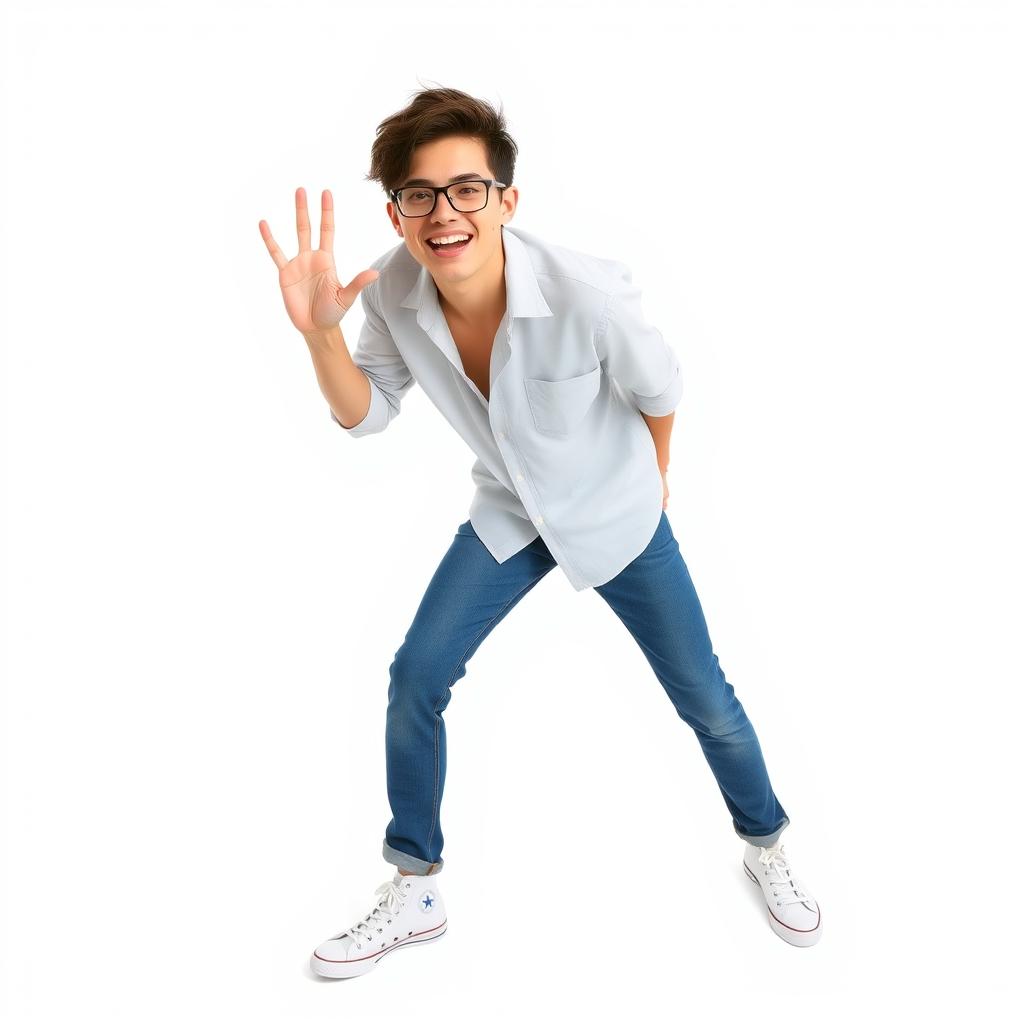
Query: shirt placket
[509, 453]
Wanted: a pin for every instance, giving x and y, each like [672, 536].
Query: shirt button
[501, 436]
[539, 520]
[520, 477]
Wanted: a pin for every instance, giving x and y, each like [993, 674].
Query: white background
[205, 580]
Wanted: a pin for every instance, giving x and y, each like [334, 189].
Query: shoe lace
[390, 902]
[774, 858]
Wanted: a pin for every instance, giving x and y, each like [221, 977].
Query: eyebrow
[458, 177]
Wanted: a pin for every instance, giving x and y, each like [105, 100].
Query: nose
[443, 209]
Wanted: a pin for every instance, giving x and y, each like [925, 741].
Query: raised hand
[312, 294]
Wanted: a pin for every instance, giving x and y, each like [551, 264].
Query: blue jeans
[470, 593]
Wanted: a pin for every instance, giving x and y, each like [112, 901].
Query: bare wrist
[329, 339]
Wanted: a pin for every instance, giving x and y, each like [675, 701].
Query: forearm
[661, 430]
[344, 385]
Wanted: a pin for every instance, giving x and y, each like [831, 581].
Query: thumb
[361, 280]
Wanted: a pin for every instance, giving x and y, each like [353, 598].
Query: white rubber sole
[354, 968]
[794, 936]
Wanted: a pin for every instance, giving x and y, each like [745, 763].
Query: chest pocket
[558, 406]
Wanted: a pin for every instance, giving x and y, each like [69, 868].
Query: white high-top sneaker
[409, 912]
[793, 912]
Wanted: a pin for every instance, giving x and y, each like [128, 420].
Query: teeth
[449, 238]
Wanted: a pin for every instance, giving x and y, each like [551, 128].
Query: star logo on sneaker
[427, 901]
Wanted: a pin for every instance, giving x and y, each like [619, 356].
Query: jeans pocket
[663, 535]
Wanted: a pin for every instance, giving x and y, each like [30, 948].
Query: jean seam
[437, 723]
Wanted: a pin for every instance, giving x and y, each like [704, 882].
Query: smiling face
[438, 162]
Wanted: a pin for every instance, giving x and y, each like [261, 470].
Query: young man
[539, 356]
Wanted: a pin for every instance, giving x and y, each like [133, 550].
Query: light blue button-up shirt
[562, 450]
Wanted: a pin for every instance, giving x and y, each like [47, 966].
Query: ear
[509, 201]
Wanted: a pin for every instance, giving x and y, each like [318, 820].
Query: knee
[719, 713]
[421, 675]
[723, 718]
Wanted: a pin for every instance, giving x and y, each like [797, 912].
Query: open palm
[313, 297]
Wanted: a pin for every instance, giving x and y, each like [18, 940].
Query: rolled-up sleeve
[378, 357]
[635, 354]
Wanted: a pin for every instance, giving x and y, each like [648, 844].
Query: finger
[327, 221]
[275, 253]
[301, 219]
[360, 281]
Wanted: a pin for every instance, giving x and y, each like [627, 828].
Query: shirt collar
[523, 297]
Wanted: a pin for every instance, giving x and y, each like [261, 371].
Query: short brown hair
[436, 114]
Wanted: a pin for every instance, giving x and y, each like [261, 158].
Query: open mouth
[451, 248]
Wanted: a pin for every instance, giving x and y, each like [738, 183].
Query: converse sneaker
[792, 912]
[409, 912]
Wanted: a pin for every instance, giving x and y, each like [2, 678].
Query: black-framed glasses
[470, 195]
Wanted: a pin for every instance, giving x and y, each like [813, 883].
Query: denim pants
[470, 593]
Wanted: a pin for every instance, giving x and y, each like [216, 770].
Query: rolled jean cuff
[768, 840]
[412, 864]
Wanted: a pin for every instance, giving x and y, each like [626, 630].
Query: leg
[469, 594]
[656, 601]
